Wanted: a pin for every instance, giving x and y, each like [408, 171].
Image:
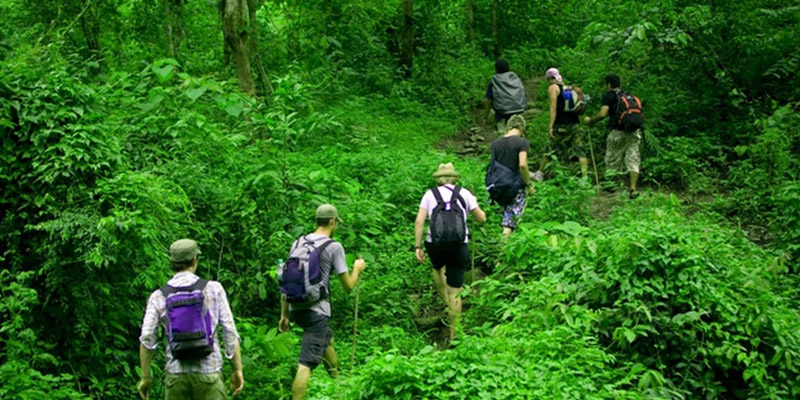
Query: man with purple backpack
[305, 288]
[190, 310]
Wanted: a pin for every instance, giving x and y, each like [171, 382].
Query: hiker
[305, 288]
[190, 310]
[566, 138]
[625, 124]
[447, 206]
[509, 172]
[505, 94]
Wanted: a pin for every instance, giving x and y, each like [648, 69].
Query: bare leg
[507, 232]
[331, 361]
[438, 281]
[584, 162]
[454, 309]
[634, 178]
[300, 383]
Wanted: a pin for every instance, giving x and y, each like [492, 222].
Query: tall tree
[173, 11]
[235, 17]
[470, 16]
[495, 40]
[407, 39]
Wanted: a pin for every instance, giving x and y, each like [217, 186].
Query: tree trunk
[90, 26]
[494, 30]
[407, 39]
[263, 78]
[470, 14]
[235, 32]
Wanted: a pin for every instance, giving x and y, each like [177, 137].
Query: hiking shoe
[538, 176]
[583, 182]
[633, 194]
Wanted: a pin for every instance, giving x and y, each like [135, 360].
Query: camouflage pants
[569, 142]
[622, 147]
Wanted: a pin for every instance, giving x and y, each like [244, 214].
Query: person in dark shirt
[566, 138]
[511, 150]
[622, 147]
[505, 94]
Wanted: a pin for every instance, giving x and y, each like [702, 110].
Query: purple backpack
[301, 278]
[188, 321]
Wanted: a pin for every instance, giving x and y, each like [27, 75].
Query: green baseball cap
[328, 211]
[183, 250]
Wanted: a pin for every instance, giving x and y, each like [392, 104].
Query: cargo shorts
[194, 386]
[623, 148]
[569, 142]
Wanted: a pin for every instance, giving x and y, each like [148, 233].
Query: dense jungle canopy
[128, 124]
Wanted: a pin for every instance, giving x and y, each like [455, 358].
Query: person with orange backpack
[626, 124]
[566, 138]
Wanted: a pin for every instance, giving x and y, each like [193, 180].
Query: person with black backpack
[505, 94]
[190, 311]
[447, 206]
[507, 175]
[626, 124]
[305, 289]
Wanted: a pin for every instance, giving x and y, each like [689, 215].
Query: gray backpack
[301, 278]
[508, 94]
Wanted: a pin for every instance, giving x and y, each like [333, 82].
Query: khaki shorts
[570, 142]
[623, 147]
[194, 387]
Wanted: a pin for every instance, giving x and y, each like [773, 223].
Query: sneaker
[583, 182]
[633, 194]
[538, 176]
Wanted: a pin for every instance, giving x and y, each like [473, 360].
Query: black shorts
[317, 335]
[456, 261]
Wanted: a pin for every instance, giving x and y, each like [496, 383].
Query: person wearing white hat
[447, 206]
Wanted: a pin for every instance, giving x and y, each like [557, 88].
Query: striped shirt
[217, 304]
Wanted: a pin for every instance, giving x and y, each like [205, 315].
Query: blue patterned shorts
[513, 211]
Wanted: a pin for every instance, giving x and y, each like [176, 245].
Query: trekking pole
[355, 326]
[594, 164]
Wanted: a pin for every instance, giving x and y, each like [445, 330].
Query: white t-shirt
[429, 203]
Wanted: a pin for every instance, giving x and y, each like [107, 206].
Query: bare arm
[237, 379]
[552, 93]
[419, 226]
[488, 108]
[523, 167]
[597, 117]
[349, 279]
[479, 215]
[146, 381]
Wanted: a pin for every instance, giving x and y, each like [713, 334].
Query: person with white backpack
[566, 138]
[305, 288]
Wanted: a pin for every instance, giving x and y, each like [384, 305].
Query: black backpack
[629, 114]
[502, 183]
[448, 224]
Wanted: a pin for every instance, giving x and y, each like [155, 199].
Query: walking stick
[355, 326]
[594, 164]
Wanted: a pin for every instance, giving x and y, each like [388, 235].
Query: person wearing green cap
[447, 238]
[314, 316]
[190, 311]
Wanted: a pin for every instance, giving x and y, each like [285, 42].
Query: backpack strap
[200, 285]
[437, 195]
[457, 196]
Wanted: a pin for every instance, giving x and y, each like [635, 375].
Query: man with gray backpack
[305, 288]
[505, 94]
[190, 310]
[447, 206]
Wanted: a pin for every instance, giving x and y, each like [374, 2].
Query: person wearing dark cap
[190, 311]
[453, 254]
[313, 315]
[505, 94]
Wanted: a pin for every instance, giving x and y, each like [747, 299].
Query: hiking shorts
[623, 147]
[317, 335]
[569, 142]
[194, 386]
[456, 260]
[513, 211]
